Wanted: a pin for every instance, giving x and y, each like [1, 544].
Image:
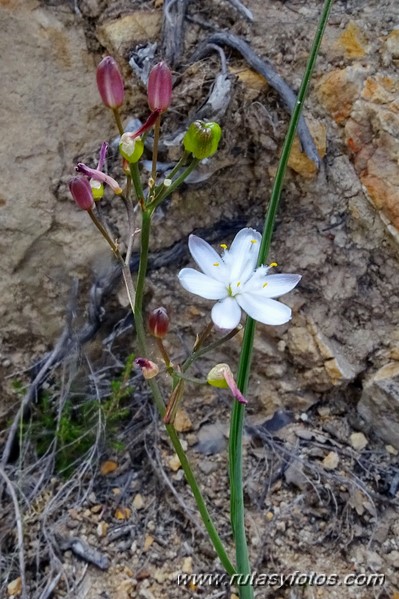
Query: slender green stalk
[105, 234]
[157, 129]
[166, 191]
[238, 410]
[138, 188]
[118, 120]
[125, 267]
[204, 350]
[158, 399]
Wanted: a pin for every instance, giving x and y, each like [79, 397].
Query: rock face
[48, 98]
[379, 404]
[337, 225]
[367, 105]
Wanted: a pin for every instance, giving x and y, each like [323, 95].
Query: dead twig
[84, 551]
[243, 10]
[267, 71]
[174, 12]
[50, 587]
[20, 534]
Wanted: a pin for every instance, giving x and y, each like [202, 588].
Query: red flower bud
[158, 323]
[81, 192]
[159, 88]
[110, 83]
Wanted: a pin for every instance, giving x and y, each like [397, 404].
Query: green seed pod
[202, 139]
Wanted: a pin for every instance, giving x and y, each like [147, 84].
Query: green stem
[118, 121]
[238, 410]
[127, 277]
[204, 350]
[131, 223]
[105, 234]
[138, 188]
[163, 352]
[166, 191]
[157, 128]
[158, 399]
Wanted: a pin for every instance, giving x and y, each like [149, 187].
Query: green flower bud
[202, 139]
[131, 148]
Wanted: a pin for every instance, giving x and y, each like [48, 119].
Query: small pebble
[331, 461]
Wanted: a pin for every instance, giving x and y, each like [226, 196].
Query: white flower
[236, 283]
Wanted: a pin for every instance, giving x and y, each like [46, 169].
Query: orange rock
[381, 90]
[384, 196]
[352, 41]
[298, 160]
[107, 467]
[123, 513]
[339, 90]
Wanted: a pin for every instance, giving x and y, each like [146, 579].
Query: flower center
[234, 289]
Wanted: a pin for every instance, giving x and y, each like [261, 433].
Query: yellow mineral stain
[352, 41]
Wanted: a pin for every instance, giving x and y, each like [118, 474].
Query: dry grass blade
[20, 532]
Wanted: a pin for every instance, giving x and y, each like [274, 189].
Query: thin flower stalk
[158, 399]
[238, 410]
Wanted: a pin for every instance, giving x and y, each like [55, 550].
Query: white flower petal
[226, 314]
[243, 254]
[264, 310]
[207, 259]
[202, 285]
[271, 285]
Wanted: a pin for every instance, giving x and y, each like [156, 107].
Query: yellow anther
[238, 284]
[254, 241]
[223, 246]
[216, 264]
[273, 264]
[264, 285]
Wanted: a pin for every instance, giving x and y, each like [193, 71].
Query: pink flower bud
[158, 323]
[110, 83]
[159, 88]
[81, 192]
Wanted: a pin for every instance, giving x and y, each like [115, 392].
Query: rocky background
[338, 226]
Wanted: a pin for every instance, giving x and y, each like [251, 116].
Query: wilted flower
[234, 280]
[159, 88]
[148, 368]
[221, 376]
[110, 83]
[98, 175]
[131, 147]
[81, 192]
[202, 139]
[158, 323]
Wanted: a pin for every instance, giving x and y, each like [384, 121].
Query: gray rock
[379, 404]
